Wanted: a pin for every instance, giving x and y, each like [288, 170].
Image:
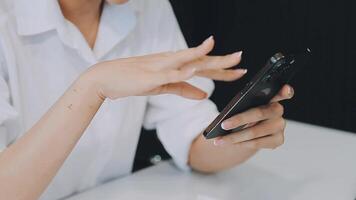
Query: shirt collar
[37, 16]
[116, 22]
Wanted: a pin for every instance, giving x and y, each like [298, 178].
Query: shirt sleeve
[178, 121]
[7, 111]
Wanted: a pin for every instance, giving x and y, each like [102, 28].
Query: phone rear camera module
[277, 57]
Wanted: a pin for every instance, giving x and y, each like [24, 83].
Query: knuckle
[260, 113]
[280, 140]
[282, 123]
[277, 108]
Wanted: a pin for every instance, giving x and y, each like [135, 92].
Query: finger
[262, 129]
[223, 75]
[188, 55]
[216, 62]
[183, 89]
[268, 142]
[173, 76]
[272, 110]
[287, 92]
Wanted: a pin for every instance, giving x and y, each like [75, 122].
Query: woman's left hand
[265, 125]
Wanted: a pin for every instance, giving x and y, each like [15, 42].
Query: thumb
[182, 89]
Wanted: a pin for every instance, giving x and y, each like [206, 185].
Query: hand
[163, 73]
[265, 125]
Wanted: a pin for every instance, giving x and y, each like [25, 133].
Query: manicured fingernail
[226, 125]
[290, 92]
[241, 71]
[219, 142]
[208, 39]
[237, 54]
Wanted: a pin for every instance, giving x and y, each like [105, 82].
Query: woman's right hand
[162, 73]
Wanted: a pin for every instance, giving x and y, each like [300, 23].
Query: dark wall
[325, 89]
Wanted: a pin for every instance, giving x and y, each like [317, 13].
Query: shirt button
[155, 159]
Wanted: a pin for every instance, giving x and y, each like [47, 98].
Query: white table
[314, 164]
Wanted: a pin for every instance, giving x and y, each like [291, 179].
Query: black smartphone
[260, 90]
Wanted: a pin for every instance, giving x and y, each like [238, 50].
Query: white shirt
[41, 54]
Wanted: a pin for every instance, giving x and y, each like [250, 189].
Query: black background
[325, 89]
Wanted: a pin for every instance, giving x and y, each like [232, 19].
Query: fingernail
[290, 92]
[208, 40]
[219, 142]
[241, 71]
[226, 125]
[238, 54]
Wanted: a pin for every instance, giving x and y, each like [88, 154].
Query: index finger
[182, 57]
[273, 110]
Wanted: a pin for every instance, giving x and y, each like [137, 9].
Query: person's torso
[41, 67]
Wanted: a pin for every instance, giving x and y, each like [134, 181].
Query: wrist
[88, 87]
[90, 83]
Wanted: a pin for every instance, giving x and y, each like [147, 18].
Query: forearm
[28, 166]
[205, 157]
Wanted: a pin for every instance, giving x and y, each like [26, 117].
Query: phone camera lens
[277, 57]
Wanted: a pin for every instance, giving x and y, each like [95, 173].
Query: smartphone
[277, 72]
